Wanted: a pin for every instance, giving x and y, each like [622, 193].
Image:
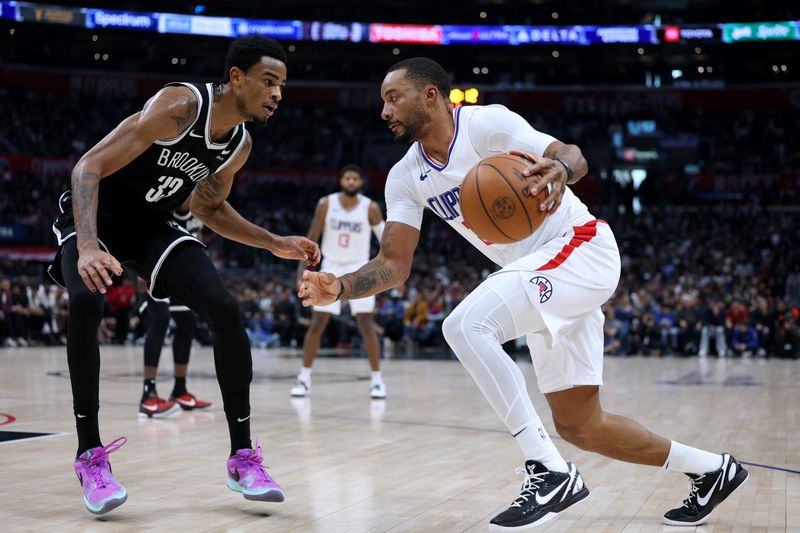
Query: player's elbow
[201, 209]
[401, 273]
[582, 168]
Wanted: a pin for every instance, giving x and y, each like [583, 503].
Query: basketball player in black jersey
[159, 314]
[187, 141]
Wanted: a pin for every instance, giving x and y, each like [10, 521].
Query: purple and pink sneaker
[101, 490]
[247, 474]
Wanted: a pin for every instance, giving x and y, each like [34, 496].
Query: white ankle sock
[376, 377]
[535, 443]
[690, 460]
[305, 374]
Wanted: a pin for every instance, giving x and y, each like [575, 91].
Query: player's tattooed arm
[184, 112]
[390, 268]
[210, 194]
[84, 203]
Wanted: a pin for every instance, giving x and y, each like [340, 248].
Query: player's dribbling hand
[94, 266]
[318, 288]
[294, 247]
[552, 172]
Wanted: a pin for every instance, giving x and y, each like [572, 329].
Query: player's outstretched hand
[318, 288]
[95, 268]
[552, 172]
[294, 247]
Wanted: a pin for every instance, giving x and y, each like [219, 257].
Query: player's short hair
[352, 167]
[423, 71]
[245, 52]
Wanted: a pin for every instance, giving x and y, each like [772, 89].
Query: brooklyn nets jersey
[347, 232]
[160, 179]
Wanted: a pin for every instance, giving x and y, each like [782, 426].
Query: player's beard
[241, 107]
[350, 194]
[413, 127]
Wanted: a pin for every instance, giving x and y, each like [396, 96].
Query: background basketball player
[344, 220]
[188, 139]
[159, 313]
[574, 253]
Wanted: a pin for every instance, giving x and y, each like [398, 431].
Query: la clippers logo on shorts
[545, 288]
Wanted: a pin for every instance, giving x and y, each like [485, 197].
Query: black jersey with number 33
[160, 179]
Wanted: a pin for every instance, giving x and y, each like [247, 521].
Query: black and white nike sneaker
[706, 491]
[544, 494]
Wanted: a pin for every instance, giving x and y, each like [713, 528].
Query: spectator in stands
[668, 328]
[713, 324]
[763, 320]
[7, 337]
[744, 340]
[121, 298]
[20, 314]
[611, 328]
[284, 319]
[391, 311]
[690, 324]
[259, 330]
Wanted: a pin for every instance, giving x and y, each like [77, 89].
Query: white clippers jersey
[417, 182]
[347, 233]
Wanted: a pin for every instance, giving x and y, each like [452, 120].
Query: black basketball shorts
[141, 243]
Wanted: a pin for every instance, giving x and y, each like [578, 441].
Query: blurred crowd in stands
[708, 277]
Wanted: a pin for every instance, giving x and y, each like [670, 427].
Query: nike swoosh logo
[81, 416]
[226, 152]
[703, 501]
[422, 177]
[518, 432]
[150, 407]
[193, 134]
[243, 419]
[548, 497]
[235, 474]
[190, 403]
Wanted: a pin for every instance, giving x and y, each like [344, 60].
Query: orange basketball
[496, 201]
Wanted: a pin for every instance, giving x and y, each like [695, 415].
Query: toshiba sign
[405, 33]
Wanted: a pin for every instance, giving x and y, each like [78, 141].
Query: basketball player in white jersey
[344, 220]
[550, 289]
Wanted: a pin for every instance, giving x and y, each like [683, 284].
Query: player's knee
[222, 306]
[86, 304]
[319, 321]
[452, 328]
[159, 323]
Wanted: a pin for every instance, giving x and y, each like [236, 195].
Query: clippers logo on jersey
[183, 161]
[445, 205]
[346, 237]
[545, 288]
[345, 225]
[168, 186]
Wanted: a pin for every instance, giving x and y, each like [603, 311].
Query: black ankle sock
[149, 389]
[240, 433]
[88, 432]
[180, 387]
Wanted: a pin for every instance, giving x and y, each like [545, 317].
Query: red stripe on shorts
[583, 234]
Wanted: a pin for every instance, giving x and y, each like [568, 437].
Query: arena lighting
[470, 96]
[456, 96]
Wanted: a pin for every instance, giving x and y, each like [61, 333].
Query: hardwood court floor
[432, 458]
